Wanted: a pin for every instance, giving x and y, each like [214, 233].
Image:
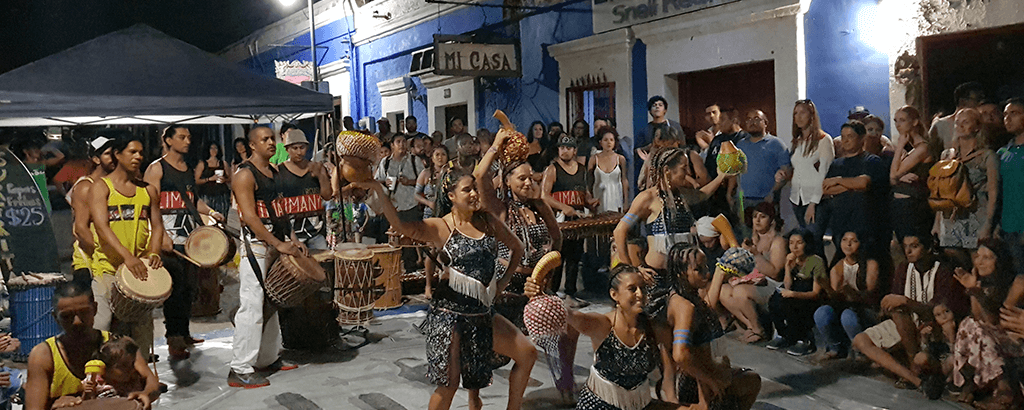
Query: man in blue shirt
[767, 158]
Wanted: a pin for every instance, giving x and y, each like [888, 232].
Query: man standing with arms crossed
[123, 208]
[173, 177]
[257, 341]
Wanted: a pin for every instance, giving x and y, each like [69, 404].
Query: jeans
[572, 252]
[837, 339]
[178, 307]
[817, 227]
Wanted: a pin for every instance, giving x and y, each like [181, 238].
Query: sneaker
[778, 343]
[279, 365]
[802, 348]
[193, 341]
[247, 380]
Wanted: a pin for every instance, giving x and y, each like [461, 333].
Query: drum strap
[255, 268]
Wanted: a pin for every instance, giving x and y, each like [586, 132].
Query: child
[121, 376]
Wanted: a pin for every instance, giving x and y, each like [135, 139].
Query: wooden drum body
[355, 284]
[389, 260]
[209, 246]
[132, 299]
[292, 279]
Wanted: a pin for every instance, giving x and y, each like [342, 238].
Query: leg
[572, 251]
[825, 320]
[178, 307]
[741, 303]
[908, 333]
[443, 395]
[249, 320]
[777, 314]
[509, 341]
[864, 345]
[101, 292]
[851, 325]
[667, 385]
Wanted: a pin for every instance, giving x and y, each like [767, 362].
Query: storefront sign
[27, 243]
[613, 14]
[457, 56]
[294, 72]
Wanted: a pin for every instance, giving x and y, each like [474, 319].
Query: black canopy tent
[142, 76]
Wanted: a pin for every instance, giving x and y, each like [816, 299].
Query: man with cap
[304, 186]
[565, 190]
[384, 133]
[85, 235]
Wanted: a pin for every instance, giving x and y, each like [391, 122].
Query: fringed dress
[462, 306]
[618, 379]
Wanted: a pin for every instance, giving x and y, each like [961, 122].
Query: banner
[456, 55]
[612, 14]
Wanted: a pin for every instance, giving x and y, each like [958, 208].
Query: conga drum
[389, 260]
[132, 299]
[292, 279]
[209, 246]
[356, 289]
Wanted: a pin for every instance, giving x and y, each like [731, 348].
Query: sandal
[904, 384]
[751, 337]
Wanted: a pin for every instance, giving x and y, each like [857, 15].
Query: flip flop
[750, 337]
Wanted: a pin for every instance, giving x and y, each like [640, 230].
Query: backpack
[950, 186]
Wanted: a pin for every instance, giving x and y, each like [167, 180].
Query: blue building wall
[842, 70]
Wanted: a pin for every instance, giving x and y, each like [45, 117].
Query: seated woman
[703, 382]
[792, 308]
[855, 281]
[982, 349]
[462, 331]
[747, 301]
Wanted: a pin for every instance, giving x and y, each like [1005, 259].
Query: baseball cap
[99, 142]
[295, 136]
[566, 141]
[857, 113]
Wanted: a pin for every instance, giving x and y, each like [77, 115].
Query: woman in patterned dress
[462, 331]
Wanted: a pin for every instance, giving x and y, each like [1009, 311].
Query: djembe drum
[109, 403]
[313, 325]
[209, 247]
[389, 260]
[292, 279]
[356, 289]
[131, 298]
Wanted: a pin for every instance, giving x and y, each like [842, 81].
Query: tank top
[568, 188]
[211, 188]
[850, 273]
[129, 219]
[266, 192]
[177, 219]
[300, 202]
[608, 188]
[65, 383]
[79, 259]
[919, 188]
[470, 285]
[620, 372]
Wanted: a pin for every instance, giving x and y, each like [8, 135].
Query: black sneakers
[778, 343]
[802, 348]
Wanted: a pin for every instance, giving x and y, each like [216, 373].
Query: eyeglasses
[755, 119]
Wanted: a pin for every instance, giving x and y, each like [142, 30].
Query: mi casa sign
[613, 14]
[457, 55]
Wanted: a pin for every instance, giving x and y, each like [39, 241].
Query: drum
[208, 290]
[311, 326]
[209, 246]
[109, 403]
[355, 283]
[292, 279]
[389, 260]
[132, 299]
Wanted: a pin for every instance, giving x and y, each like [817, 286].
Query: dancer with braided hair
[462, 332]
[666, 209]
[518, 203]
[703, 381]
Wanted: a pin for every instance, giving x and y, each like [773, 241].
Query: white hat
[98, 142]
[705, 228]
[295, 136]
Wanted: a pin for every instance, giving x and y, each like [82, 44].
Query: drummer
[56, 367]
[533, 222]
[304, 186]
[173, 177]
[122, 208]
[85, 235]
[256, 345]
[565, 190]
[462, 332]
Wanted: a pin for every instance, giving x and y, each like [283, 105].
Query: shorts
[765, 292]
[884, 334]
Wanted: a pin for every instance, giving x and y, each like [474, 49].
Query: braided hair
[681, 258]
[451, 177]
[664, 160]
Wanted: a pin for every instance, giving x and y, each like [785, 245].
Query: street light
[312, 41]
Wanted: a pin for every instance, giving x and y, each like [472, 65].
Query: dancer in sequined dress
[462, 331]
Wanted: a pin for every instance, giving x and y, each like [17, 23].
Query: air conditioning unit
[422, 62]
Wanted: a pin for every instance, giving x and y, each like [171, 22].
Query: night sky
[33, 29]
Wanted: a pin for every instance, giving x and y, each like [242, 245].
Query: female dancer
[666, 209]
[533, 222]
[462, 333]
[625, 351]
[703, 382]
[908, 174]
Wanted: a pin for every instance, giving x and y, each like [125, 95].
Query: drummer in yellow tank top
[129, 218]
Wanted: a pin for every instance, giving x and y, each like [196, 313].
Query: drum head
[109, 403]
[383, 248]
[353, 251]
[308, 267]
[156, 286]
[207, 243]
[322, 255]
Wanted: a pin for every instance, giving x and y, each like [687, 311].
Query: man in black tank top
[565, 190]
[257, 341]
[304, 186]
[173, 176]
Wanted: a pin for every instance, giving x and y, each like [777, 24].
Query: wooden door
[744, 87]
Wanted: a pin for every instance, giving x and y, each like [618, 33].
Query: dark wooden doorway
[461, 112]
[745, 87]
[989, 56]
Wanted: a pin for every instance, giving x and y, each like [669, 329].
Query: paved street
[388, 373]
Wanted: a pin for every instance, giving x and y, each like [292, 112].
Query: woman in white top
[853, 298]
[609, 187]
[812, 154]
